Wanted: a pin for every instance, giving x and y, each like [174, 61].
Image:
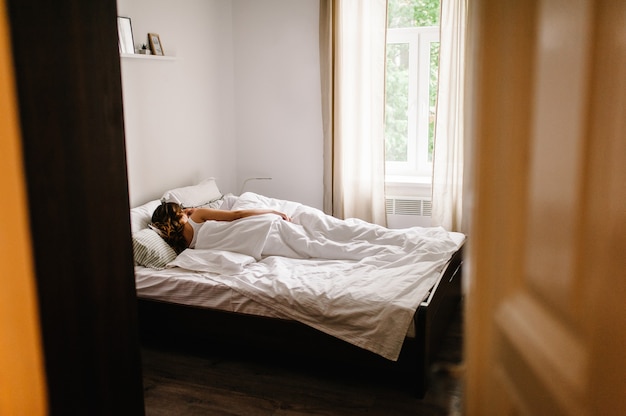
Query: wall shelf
[152, 57]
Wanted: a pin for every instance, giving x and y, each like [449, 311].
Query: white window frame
[417, 167]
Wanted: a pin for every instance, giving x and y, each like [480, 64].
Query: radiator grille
[421, 207]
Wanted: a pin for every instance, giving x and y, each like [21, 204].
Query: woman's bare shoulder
[208, 214]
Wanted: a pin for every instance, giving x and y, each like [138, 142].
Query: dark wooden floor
[233, 382]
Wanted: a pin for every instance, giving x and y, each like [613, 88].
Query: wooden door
[547, 189]
[69, 94]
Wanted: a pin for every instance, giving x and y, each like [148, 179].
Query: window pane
[397, 102]
[411, 87]
[412, 13]
[432, 91]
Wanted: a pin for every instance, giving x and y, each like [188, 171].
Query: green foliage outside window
[397, 102]
[432, 90]
[412, 13]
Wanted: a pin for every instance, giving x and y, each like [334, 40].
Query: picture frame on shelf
[125, 35]
[156, 47]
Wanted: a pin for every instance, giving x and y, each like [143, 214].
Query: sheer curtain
[447, 198]
[352, 55]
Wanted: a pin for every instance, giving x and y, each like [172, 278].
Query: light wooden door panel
[539, 351]
[545, 306]
[558, 143]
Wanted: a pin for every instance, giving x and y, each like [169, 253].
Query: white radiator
[408, 211]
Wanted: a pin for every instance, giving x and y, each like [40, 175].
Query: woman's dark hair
[166, 218]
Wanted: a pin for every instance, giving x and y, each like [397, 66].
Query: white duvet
[351, 279]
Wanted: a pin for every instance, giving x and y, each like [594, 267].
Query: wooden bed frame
[195, 328]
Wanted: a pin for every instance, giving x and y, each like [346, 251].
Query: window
[411, 87]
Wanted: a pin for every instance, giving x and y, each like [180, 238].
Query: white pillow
[150, 250]
[213, 261]
[141, 216]
[195, 195]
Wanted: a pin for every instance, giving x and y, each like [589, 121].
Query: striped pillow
[150, 250]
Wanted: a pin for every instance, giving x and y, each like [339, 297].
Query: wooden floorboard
[223, 382]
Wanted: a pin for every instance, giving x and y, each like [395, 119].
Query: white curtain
[447, 197]
[352, 55]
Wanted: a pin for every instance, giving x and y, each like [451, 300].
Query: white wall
[179, 114]
[278, 98]
[240, 100]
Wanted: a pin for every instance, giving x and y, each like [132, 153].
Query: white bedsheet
[368, 300]
[175, 285]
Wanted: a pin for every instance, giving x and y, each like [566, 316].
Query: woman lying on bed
[179, 227]
[259, 230]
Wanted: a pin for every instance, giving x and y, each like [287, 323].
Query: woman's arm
[207, 214]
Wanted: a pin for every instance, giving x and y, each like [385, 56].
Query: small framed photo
[155, 44]
[125, 35]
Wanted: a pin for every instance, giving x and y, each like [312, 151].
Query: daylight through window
[411, 86]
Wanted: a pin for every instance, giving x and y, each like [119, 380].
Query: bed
[366, 293]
